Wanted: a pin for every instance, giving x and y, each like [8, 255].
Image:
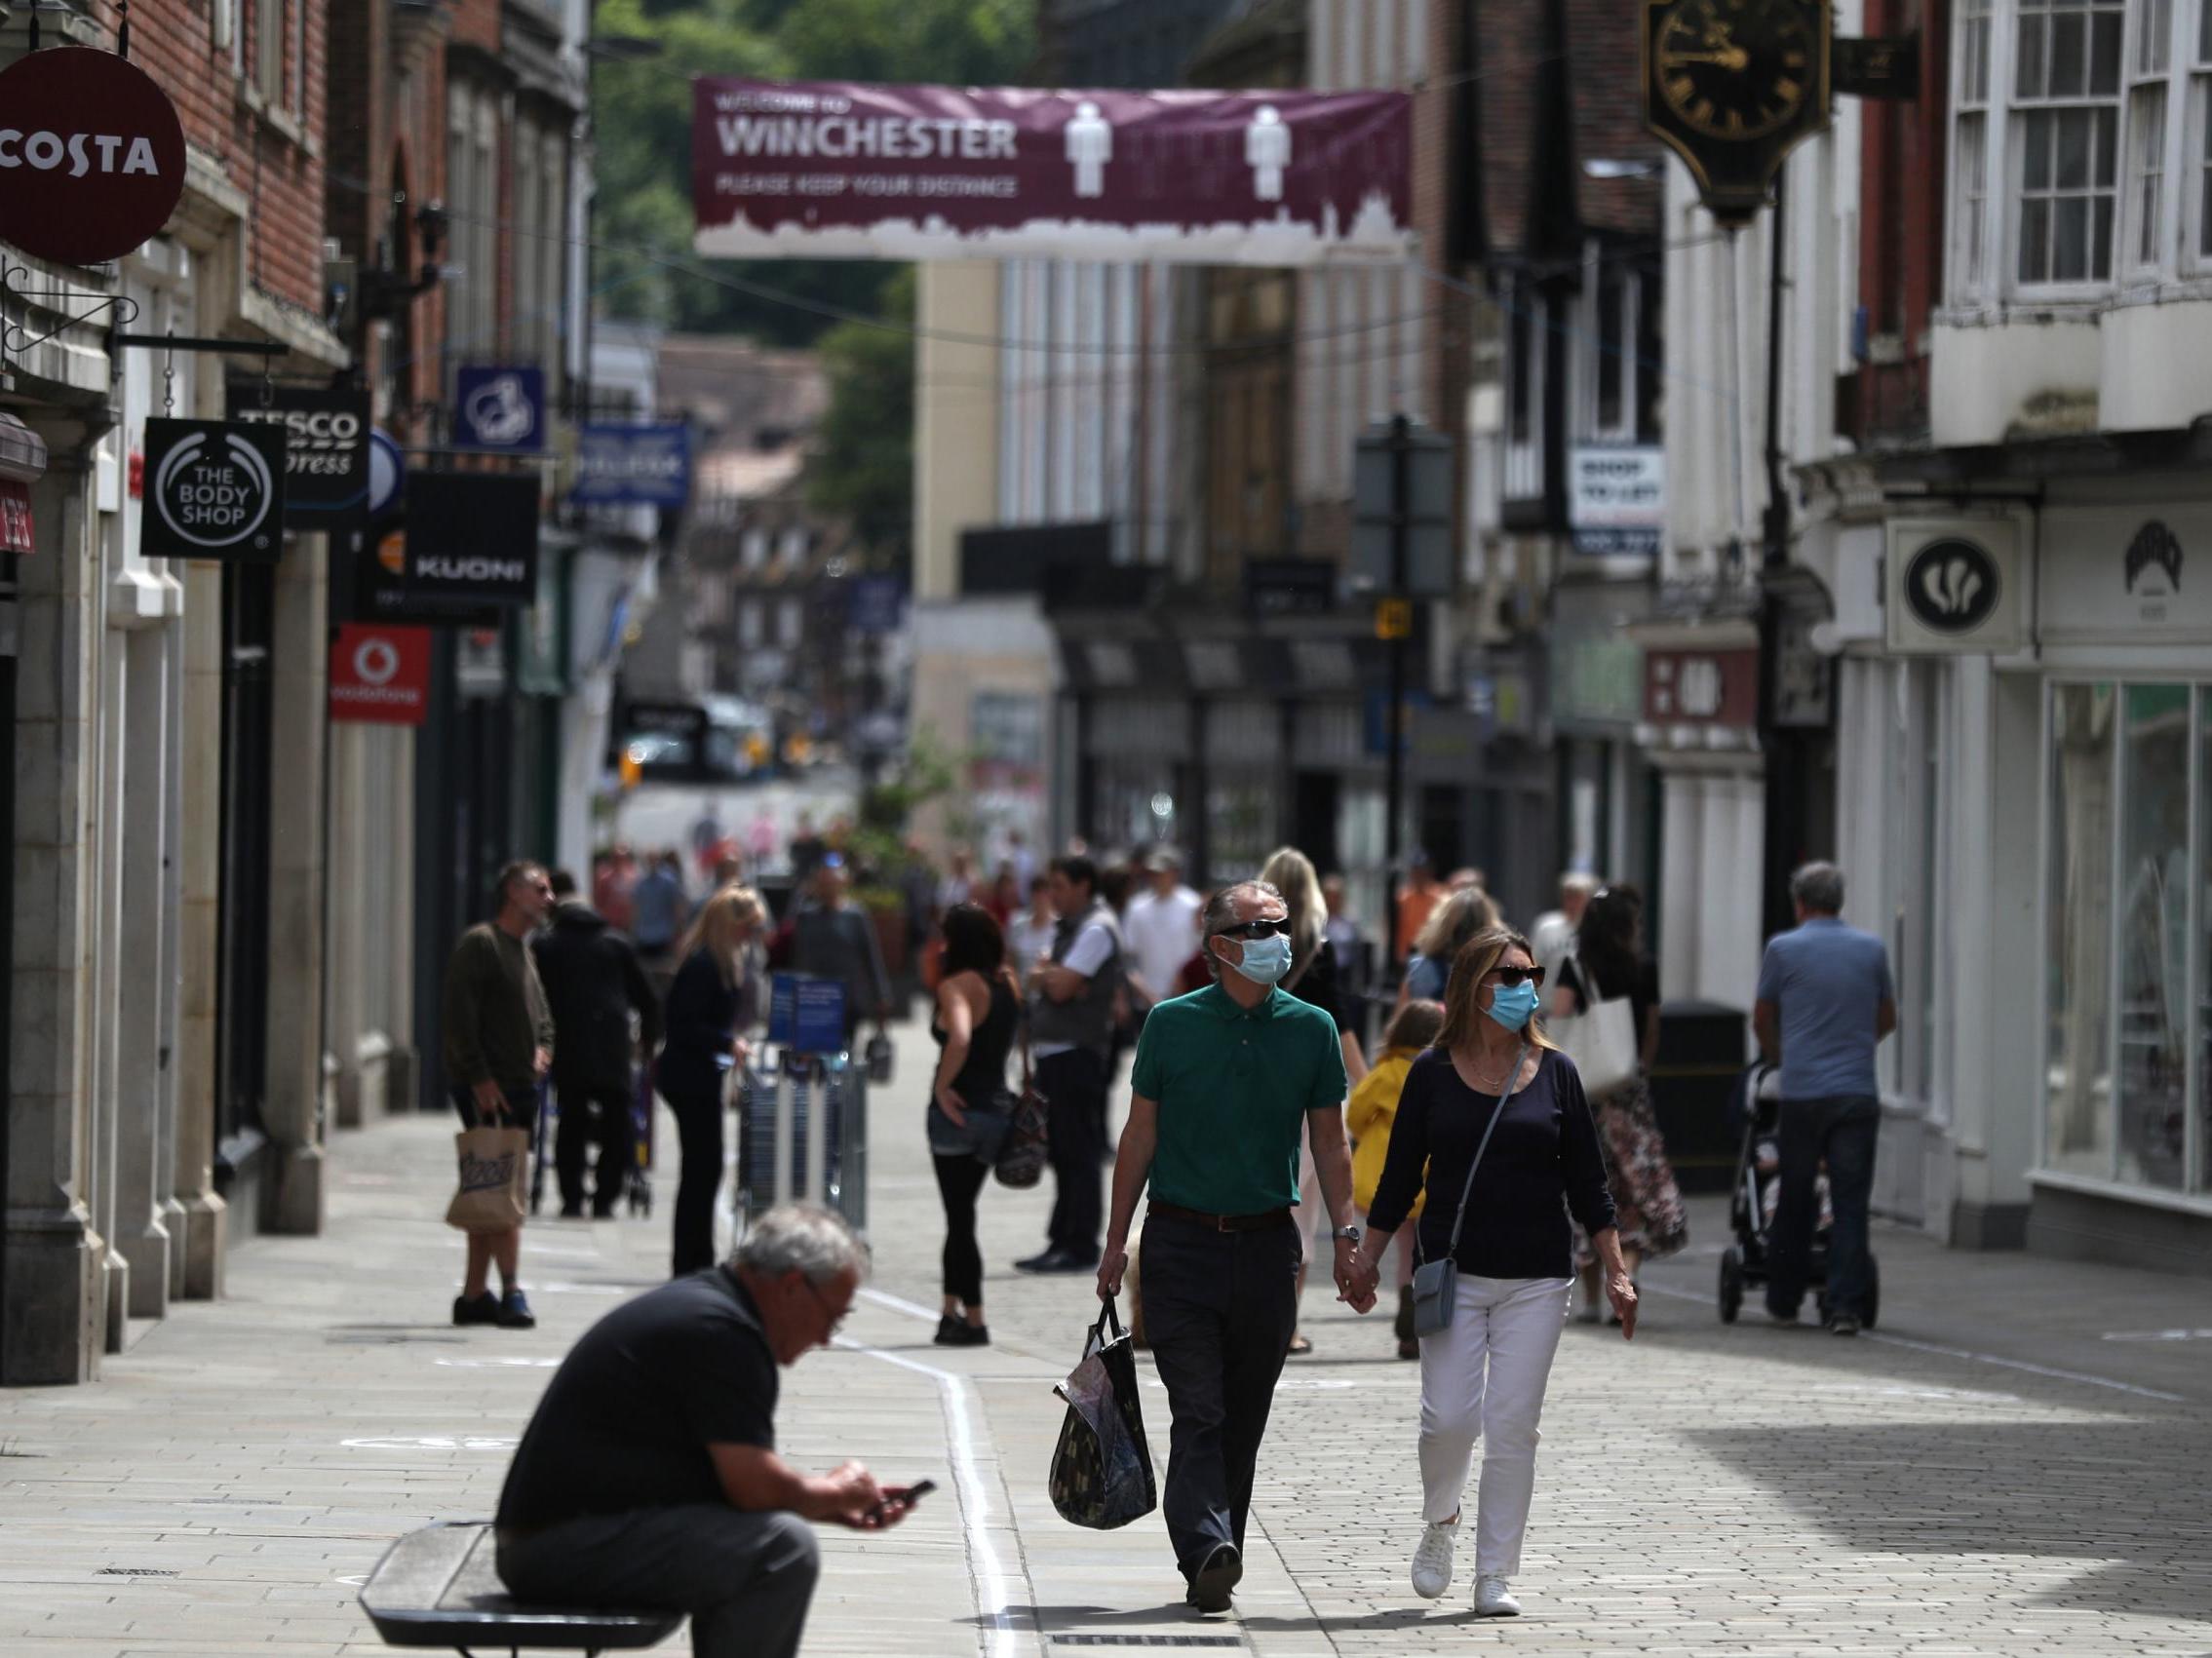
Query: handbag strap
[1108, 1319]
[1504, 1094]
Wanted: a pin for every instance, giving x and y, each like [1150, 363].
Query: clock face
[1735, 70]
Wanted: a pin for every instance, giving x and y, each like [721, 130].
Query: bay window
[2081, 148]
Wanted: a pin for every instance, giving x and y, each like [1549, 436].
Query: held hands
[1620, 1290]
[950, 1102]
[1112, 1265]
[1357, 1278]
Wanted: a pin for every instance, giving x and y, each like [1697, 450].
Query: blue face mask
[1265, 960]
[1512, 1006]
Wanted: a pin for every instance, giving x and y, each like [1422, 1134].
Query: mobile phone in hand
[913, 1494]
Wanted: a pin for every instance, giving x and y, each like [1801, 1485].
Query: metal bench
[439, 1587]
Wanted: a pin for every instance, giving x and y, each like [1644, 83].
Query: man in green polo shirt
[1224, 1081]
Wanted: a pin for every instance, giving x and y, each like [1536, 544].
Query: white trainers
[1494, 1598]
[1432, 1560]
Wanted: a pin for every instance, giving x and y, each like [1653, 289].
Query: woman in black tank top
[978, 1016]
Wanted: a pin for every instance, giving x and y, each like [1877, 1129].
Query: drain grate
[133, 1571]
[1146, 1639]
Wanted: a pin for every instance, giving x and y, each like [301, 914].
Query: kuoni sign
[92, 156]
[807, 170]
[380, 675]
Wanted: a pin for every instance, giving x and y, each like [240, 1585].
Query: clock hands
[1726, 58]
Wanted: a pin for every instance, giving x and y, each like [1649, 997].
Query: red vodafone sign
[380, 675]
[92, 157]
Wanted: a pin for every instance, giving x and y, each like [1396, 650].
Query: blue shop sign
[806, 1013]
[500, 406]
[875, 604]
[632, 465]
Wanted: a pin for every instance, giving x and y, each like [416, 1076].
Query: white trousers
[1482, 1377]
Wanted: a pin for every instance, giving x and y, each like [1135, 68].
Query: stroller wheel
[1731, 1286]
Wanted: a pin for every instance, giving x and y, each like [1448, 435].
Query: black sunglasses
[1510, 977]
[1254, 929]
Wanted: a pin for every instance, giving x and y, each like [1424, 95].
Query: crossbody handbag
[1436, 1283]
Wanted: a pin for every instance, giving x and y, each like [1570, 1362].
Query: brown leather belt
[1221, 1222]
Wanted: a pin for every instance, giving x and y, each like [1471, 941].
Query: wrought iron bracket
[15, 337]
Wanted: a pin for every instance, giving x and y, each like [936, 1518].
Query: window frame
[2195, 73]
[2195, 1185]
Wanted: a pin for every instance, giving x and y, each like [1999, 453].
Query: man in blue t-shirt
[648, 1475]
[1825, 1003]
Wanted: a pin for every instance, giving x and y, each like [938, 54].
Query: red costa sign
[92, 157]
[380, 675]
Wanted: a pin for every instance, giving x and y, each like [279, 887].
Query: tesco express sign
[92, 155]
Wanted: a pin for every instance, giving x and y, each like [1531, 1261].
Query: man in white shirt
[1161, 927]
[1072, 993]
[1030, 934]
[1553, 936]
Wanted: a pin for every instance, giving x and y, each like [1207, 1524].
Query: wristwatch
[1355, 1232]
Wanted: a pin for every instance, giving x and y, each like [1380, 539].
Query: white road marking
[975, 1504]
[431, 1442]
[498, 1363]
[2055, 1374]
[2158, 1335]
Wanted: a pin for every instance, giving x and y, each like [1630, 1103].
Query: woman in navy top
[1483, 1376]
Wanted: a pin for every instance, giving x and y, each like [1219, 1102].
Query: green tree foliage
[862, 469]
[644, 269]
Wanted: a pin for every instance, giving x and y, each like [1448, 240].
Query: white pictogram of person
[1267, 152]
[1090, 146]
[499, 411]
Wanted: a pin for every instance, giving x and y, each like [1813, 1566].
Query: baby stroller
[1757, 1187]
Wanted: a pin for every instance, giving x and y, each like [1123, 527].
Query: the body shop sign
[213, 491]
[92, 157]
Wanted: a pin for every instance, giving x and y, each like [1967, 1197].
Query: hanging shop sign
[387, 472]
[632, 465]
[875, 604]
[1731, 87]
[327, 448]
[15, 516]
[213, 489]
[840, 169]
[1717, 688]
[499, 406]
[92, 155]
[1952, 585]
[380, 675]
[1618, 499]
[472, 537]
[381, 595]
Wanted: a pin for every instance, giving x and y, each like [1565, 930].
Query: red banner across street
[845, 169]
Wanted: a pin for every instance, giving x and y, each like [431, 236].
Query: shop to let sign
[92, 155]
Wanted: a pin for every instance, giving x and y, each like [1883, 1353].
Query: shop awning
[23, 451]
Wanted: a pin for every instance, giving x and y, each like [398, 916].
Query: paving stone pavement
[2016, 1463]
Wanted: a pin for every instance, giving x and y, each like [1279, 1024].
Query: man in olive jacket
[498, 1045]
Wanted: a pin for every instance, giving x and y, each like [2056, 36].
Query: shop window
[2078, 944]
[2154, 934]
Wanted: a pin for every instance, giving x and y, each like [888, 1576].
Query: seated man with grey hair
[649, 1476]
[1825, 1003]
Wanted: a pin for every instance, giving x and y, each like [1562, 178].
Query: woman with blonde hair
[1494, 1135]
[715, 999]
[1451, 924]
[1312, 978]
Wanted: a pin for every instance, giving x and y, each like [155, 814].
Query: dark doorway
[242, 905]
[1313, 817]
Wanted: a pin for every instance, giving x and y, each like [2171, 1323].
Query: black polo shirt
[633, 1408]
